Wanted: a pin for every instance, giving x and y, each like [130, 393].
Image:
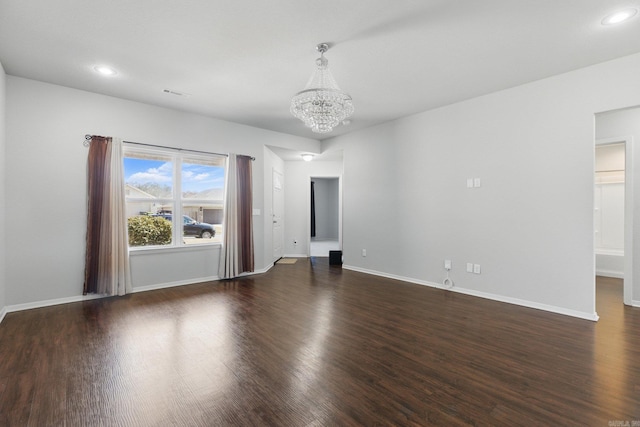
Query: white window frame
[177, 157]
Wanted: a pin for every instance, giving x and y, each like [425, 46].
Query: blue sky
[195, 177]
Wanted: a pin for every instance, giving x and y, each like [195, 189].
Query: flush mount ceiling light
[322, 105]
[307, 157]
[619, 16]
[104, 70]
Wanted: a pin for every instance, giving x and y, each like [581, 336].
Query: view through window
[173, 198]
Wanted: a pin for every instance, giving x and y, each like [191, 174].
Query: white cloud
[201, 176]
[149, 176]
[160, 175]
[166, 167]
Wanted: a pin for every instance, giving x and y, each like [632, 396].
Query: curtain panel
[237, 254]
[107, 252]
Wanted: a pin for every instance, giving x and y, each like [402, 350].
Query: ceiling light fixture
[620, 16]
[307, 157]
[322, 105]
[105, 71]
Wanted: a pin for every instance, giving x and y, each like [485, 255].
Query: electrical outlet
[364, 252]
[447, 264]
[476, 268]
[469, 267]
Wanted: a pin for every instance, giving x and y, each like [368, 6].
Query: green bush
[149, 230]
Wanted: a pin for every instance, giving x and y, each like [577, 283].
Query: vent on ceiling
[176, 93]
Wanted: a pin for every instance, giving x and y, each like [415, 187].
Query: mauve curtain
[107, 252]
[236, 255]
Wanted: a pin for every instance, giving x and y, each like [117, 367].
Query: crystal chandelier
[322, 105]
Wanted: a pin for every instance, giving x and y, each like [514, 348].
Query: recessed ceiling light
[619, 16]
[307, 157]
[105, 71]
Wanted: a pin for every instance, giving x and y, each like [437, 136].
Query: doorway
[609, 208]
[614, 182]
[324, 216]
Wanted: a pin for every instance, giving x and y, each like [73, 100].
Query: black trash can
[335, 257]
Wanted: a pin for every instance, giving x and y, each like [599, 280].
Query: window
[173, 198]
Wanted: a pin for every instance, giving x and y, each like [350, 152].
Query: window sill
[142, 250]
[611, 252]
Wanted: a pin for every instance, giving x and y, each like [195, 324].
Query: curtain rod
[87, 140]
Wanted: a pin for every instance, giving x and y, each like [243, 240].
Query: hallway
[321, 247]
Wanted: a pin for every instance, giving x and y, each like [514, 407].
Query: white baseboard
[295, 256]
[80, 298]
[262, 270]
[635, 303]
[392, 276]
[194, 281]
[516, 301]
[530, 304]
[173, 284]
[610, 273]
[50, 302]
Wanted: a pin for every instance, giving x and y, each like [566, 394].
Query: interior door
[277, 212]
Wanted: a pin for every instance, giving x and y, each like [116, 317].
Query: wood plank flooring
[310, 344]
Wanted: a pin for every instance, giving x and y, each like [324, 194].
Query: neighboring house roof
[131, 191]
[211, 194]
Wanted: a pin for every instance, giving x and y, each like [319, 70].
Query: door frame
[309, 178]
[628, 213]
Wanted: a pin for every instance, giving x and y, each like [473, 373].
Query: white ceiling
[243, 60]
[293, 155]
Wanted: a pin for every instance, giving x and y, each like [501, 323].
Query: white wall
[297, 178]
[529, 225]
[410, 172]
[46, 198]
[326, 206]
[2, 192]
[626, 123]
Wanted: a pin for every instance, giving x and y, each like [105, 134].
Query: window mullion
[177, 200]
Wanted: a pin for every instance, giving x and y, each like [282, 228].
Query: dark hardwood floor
[313, 345]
